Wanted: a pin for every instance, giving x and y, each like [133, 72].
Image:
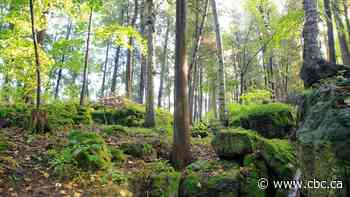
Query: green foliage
[85, 150]
[200, 130]
[115, 130]
[114, 176]
[16, 115]
[139, 150]
[256, 96]
[118, 155]
[158, 179]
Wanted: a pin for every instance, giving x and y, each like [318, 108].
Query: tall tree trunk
[59, 74]
[194, 54]
[200, 105]
[150, 114]
[84, 86]
[344, 47]
[129, 62]
[181, 153]
[346, 14]
[116, 61]
[221, 73]
[330, 32]
[36, 52]
[143, 76]
[312, 53]
[105, 71]
[164, 64]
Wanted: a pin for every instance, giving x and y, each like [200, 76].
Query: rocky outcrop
[324, 137]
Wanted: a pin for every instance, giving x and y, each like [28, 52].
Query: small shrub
[114, 176]
[85, 150]
[115, 130]
[200, 130]
[118, 155]
[256, 96]
[138, 150]
[15, 115]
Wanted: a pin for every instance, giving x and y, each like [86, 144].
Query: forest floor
[25, 171]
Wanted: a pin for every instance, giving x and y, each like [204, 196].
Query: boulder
[324, 137]
[234, 143]
[211, 179]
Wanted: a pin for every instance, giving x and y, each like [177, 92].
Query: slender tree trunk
[194, 54]
[59, 74]
[181, 153]
[84, 86]
[116, 62]
[150, 114]
[344, 47]
[129, 62]
[164, 64]
[37, 60]
[221, 73]
[346, 14]
[312, 52]
[330, 32]
[105, 71]
[200, 92]
[143, 77]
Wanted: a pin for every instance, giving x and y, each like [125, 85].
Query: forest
[175, 98]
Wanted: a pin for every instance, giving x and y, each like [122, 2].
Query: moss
[234, 143]
[211, 178]
[274, 120]
[139, 150]
[158, 179]
[165, 184]
[280, 156]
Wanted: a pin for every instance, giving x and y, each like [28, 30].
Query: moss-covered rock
[234, 143]
[130, 114]
[139, 150]
[274, 120]
[157, 179]
[324, 137]
[211, 178]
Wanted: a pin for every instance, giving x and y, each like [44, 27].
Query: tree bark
[36, 52]
[143, 76]
[221, 73]
[105, 71]
[330, 32]
[346, 14]
[129, 62]
[164, 64]
[84, 86]
[59, 74]
[150, 114]
[344, 48]
[312, 53]
[181, 152]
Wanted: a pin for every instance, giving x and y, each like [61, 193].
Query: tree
[84, 86]
[129, 66]
[181, 153]
[150, 114]
[221, 71]
[344, 47]
[105, 70]
[330, 32]
[39, 117]
[312, 53]
[164, 63]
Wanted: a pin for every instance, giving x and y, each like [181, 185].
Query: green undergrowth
[84, 151]
[130, 115]
[59, 114]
